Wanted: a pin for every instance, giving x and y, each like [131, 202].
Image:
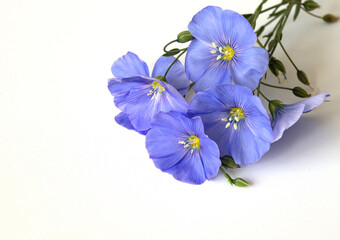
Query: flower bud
[310, 5]
[228, 162]
[300, 92]
[240, 182]
[172, 52]
[184, 36]
[279, 65]
[302, 76]
[330, 18]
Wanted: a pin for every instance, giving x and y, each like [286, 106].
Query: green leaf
[272, 45]
[260, 31]
[172, 52]
[297, 10]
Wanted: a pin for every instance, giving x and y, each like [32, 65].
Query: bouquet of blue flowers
[210, 115]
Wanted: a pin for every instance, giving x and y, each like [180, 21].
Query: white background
[68, 171]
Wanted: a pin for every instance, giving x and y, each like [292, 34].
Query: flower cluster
[225, 119]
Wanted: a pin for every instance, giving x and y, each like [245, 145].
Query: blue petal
[216, 74]
[176, 75]
[237, 31]
[141, 108]
[118, 86]
[245, 147]
[198, 59]
[129, 65]
[209, 154]
[257, 119]
[314, 101]
[248, 67]
[286, 117]
[123, 120]
[206, 25]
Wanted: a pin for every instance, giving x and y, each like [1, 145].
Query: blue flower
[287, 116]
[140, 97]
[223, 50]
[236, 120]
[131, 65]
[177, 145]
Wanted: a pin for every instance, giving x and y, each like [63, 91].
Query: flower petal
[205, 25]
[210, 157]
[286, 117]
[176, 75]
[245, 147]
[216, 74]
[314, 101]
[237, 31]
[123, 120]
[198, 59]
[248, 67]
[129, 65]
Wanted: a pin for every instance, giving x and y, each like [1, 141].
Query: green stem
[270, 8]
[269, 85]
[312, 14]
[230, 180]
[260, 44]
[290, 59]
[263, 95]
[164, 49]
[183, 51]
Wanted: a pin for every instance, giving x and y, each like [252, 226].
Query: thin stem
[269, 85]
[312, 14]
[263, 95]
[164, 49]
[260, 44]
[230, 180]
[275, 6]
[290, 59]
[184, 50]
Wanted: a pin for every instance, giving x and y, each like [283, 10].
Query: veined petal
[123, 120]
[206, 25]
[245, 147]
[248, 67]
[237, 31]
[122, 86]
[285, 118]
[176, 75]
[129, 65]
[314, 101]
[216, 74]
[198, 59]
[170, 145]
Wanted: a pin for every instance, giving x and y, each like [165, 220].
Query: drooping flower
[131, 65]
[178, 145]
[287, 116]
[223, 50]
[140, 97]
[236, 120]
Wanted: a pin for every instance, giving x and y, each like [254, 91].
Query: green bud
[273, 69]
[240, 182]
[279, 65]
[184, 36]
[310, 5]
[272, 45]
[330, 18]
[172, 52]
[228, 162]
[273, 104]
[300, 92]
[302, 76]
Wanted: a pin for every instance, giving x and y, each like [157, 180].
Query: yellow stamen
[191, 142]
